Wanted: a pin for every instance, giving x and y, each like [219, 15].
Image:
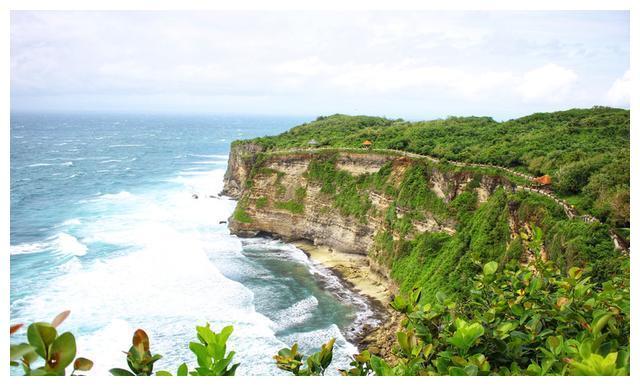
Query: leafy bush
[211, 352]
[289, 359]
[44, 343]
[139, 357]
[530, 320]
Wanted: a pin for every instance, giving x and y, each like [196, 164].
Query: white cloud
[426, 34]
[620, 92]
[416, 78]
[407, 76]
[354, 60]
[550, 82]
[311, 66]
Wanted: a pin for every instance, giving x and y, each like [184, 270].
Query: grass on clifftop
[586, 151]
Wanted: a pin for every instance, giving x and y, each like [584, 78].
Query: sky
[406, 64]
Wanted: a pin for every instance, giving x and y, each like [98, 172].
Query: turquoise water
[103, 223]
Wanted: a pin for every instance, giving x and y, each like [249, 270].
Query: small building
[543, 180]
[312, 143]
[367, 144]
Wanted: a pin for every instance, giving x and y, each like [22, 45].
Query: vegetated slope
[507, 281]
[586, 151]
[430, 225]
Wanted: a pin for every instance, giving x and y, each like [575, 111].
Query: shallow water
[103, 223]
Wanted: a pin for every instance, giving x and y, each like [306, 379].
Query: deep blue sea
[103, 223]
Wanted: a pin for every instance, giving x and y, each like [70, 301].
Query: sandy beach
[353, 268]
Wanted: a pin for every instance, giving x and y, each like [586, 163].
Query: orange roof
[367, 142]
[543, 180]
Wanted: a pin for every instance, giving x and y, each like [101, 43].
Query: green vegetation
[349, 193]
[517, 320]
[296, 205]
[211, 354]
[261, 202]
[57, 351]
[139, 357]
[291, 206]
[241, 215]
[445, 262]
[415, 194]
[520, 320]
[289, 359]
[586, 151]
[504, 284]
[439, 262]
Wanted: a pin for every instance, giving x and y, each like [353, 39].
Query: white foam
[67, 244]
[123, 195]
[72, 221]
[221, 156]
[38, 165]
[27, 248]
[296, 314]
[163, 279]
[166, 284]
[209, 162]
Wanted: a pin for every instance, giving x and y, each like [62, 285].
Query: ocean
[104, 223]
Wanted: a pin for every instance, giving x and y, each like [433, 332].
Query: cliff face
[241, 159]
[278, 197]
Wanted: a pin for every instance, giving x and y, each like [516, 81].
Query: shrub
[530, 320]
[241, 215]
[289, 359]
[57, 351]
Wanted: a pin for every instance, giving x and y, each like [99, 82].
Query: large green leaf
[121, 372]
[41, 336]
[63, 350]
[82, 364]
[490, 268]
[20, 350]
[466, 335]
[182, 370]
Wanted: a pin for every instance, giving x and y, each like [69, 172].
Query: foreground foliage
[289, 359]
[44, 343]
[517, 320]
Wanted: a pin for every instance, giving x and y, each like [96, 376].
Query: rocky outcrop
[278, 198]
[278, 180]
[241, 159]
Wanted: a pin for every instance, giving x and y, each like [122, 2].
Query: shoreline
[354, 270]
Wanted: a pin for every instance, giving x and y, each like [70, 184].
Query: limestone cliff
[277, 197]
[420, 223]
[241, 159]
